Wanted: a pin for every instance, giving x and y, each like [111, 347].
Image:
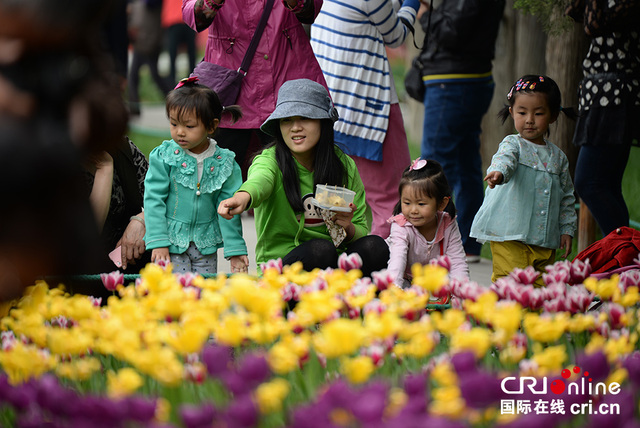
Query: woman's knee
[374, 252]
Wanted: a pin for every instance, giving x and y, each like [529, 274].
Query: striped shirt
[349, 39]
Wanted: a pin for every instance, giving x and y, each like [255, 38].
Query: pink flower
[579, 271]
[162, 263]
[347, 262]
[8, 340]
[558, 272]
[555, 305]
[186, 279]
[382, 279]
[526, 276]
[290, 292]
[615, 312]
[579, 298]
[112, 280]
[374, 306]
[630, 278]
[442, 261]
[376, 352]
[272, 264]
[95, 301]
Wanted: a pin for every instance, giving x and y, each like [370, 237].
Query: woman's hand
[234, 205]
[565, 244]
[239, 264]
[158, 254]
[494, 178]
[345, 219]
[132, 241]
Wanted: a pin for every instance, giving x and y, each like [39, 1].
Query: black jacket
[461, 37]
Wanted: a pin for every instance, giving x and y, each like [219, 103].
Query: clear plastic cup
[334, 196]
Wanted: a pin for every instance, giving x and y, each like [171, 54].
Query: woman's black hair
[532, 83]
[204, 102]
[327, 166]
[431, 181]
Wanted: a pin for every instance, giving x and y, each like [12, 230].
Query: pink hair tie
[418, 164]
[192, 79]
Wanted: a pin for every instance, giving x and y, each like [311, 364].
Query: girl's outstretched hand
[239, 264]
[345, 219]
[234, 205]
[158, 254]
[494, 178]
[565, 244]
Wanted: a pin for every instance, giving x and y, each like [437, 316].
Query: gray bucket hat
[301, 97]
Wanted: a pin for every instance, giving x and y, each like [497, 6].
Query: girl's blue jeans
[451, 135]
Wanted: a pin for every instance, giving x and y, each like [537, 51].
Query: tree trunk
[564, 65]
[520, 49]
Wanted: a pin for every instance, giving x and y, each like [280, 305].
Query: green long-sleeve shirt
[279, 229]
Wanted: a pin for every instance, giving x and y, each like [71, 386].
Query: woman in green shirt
[281, 184]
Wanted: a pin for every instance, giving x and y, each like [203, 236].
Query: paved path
[153, 121]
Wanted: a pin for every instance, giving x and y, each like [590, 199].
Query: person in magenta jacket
[284, 53]
[424, 225]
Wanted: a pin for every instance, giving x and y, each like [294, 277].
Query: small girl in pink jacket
[424, 226]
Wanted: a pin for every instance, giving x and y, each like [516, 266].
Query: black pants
[321, 253]
[180, 35]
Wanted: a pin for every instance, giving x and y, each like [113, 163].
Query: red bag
[616, 250]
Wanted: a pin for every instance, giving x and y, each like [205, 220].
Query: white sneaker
[473, 258]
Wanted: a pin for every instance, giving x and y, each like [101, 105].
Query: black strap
[248, 56]
[405, 21]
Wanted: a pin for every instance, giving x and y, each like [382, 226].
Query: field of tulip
[326, 348]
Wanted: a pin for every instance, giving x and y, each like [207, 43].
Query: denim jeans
[451, 135]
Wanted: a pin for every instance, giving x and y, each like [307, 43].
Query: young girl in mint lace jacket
[188, 176]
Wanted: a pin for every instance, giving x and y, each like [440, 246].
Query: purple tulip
[339, 394]
[254, 369]
[369, 405]
[235, 383]
[624, 399]
[596, 364]
[141, 409]
[310, 416]
[195, 416]
[242, 412]
[21, 396]
[464, 362]
[217, 359]
[479, 389]
[415, 385]
[632, 364]
[33, 418]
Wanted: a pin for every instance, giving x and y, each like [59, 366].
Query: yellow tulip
[549, 360]
[270, 395]
[231, 329]
[430, 277]
[357, 370]
[545, 329]
[477, 340]
[339, 337]
[123, 383]
[282, 359]
[449, 321]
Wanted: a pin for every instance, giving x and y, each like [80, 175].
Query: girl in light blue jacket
[188, 176]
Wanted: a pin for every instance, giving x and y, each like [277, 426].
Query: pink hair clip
[418, 164]
[192, 79]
